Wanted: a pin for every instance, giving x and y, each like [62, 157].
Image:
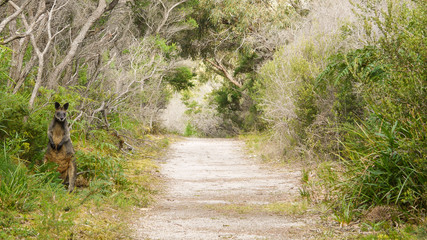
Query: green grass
[35, 205]
[383, 230]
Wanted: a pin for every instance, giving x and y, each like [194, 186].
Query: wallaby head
[61, 112]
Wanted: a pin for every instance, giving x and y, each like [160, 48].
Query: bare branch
[76, 42]
[217, 64]
[14, 15]
[30, 28]
[167, 13]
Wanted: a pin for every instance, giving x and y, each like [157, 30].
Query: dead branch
[14, 15]
[53, 78]
[218, 66]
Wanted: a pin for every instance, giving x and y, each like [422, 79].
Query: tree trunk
[17, 62]
[38, 80]
[24, 73]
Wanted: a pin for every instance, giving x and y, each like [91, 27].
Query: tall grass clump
[39, 193]
[380, 168]
[353, 93]
[14, 184]
[380, 104]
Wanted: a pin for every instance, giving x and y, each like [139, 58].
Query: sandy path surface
[214, 191]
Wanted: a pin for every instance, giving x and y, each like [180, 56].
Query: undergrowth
[355, 114]
[113, 179]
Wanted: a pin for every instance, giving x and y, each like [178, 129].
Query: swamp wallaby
[60, 148]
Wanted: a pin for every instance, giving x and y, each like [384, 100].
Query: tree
[233, 39]
[38, 26]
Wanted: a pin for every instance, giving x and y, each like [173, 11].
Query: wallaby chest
[60, 149]
[57, 133]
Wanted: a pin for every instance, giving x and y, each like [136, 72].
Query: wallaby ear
[57, 105]
[65, 106]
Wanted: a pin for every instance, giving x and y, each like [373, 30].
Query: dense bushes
[24, 130]
[386, 147]
[367, 106]
[32, 192]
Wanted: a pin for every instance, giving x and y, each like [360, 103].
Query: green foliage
[14, 186]
[19, 187]
[306, 109]
[384, 230]
[345, 213]
[167, 49]
[190, 131]
[290, 102]
[192, 22]
[27, 128]
[241, 17]
[385, 165]
[304, 191]
[107, 169]
[146, 12]
[367, 106]
[248, 60]
[380, 93]
[32, 189]
[221, 33]
[22, 191]
[227, 100]
[5, 56]
[344, 72]
[180, 78]
[12, 111]
[83, 75]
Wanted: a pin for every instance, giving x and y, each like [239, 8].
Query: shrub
[15, 193]
[385, 166]
[380, 102]
[180, 78]
[97, 167]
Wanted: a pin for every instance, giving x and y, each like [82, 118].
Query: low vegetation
[114, 179]
[349, 100]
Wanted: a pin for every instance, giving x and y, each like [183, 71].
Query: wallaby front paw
[53, 146]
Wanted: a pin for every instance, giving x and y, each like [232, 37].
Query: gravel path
[214, 191]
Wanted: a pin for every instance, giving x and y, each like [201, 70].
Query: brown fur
[60, 148]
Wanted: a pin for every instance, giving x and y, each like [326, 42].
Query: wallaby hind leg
[72, 175]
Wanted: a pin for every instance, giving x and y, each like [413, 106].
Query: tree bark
[18, 53]
[38, 80]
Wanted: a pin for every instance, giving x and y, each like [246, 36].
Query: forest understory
[335, 87]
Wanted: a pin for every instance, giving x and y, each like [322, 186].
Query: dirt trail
[214, 191]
